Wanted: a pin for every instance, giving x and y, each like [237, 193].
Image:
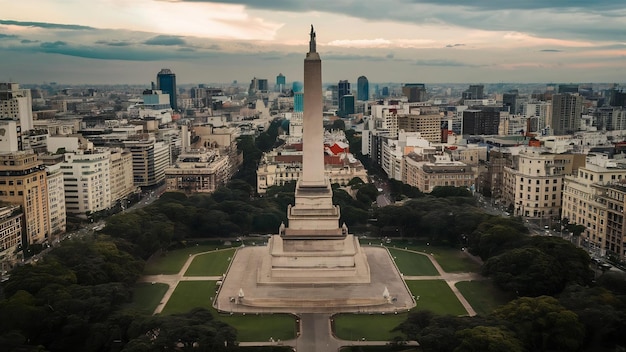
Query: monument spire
[312, 44]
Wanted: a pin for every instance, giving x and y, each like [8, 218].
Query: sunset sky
[429, 41]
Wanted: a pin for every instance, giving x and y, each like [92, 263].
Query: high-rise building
[346, 105]
[280, 82]
[568, 88]
[296, 86]
[475, 91]
[23, 181]
[343, 88]
[86, 177]
[150, 158]
[298, 102]
[566, 113]
[481, 122]
[166, 82]
[415, 92]
[363, 88]
[56, 199]
[16, 104]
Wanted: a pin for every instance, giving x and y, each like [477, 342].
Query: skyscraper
[280, 82]
[415, 92]
[343, 88]
[166, 82]
[363, 88]
[566, 113]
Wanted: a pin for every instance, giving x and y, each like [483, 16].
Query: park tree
[488, 339]
[601, 312]
[543, 324]
[450, 191]
[526, 272]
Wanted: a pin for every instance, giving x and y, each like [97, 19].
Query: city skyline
[114, 41]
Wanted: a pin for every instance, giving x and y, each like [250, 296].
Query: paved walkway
[173, 280]
[315, 330]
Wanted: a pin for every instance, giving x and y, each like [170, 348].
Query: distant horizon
[427, 41]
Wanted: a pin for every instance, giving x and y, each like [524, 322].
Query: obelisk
[313, 214]
[312, 126]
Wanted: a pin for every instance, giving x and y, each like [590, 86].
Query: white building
[10, 136]
[86, 177]
[16, 104]
[56, 199]
[150, 158]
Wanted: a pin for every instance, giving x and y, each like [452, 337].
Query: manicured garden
[436, 296]
[170, 262]
[211, 264]
[413, 264]
[250, 327]
[373, 327]
[451, 260]
[483, 295]
[433, 295]
[147, 296]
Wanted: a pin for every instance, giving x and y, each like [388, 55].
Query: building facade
[23, 182]
[566, 113]
[86, 177]
[533, 185]
[56, 199]
[166, 82]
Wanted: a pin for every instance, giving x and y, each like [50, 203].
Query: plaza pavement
[315, 330]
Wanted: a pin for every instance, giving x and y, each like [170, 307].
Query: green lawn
[452, 260]
[413, 264]
[211, 264]
[436, 296]
[261, 327]
[378, 349]
[250, 327]
[374, 327]
[146, 296]
[483, 295]
[172, 261]
[190, 294]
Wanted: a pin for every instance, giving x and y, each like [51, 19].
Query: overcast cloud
[393, 40]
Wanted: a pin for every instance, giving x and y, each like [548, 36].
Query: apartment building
[121, 174]
[56, 199]
[198, 171]
[23, 182]
[86, 177]
[10, 234]
[150, 159]
[428, 172]
[533, 184]
[585, 200]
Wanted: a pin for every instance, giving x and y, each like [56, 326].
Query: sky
[417, 41]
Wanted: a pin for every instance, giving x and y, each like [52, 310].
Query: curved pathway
[315, 330]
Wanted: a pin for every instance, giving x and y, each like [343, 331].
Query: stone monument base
[240, 291]
[338, 261]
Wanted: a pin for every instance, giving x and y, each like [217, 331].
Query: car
[380, 190]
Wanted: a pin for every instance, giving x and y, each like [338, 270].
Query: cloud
[454, 45]
[441, 62]
[45, 25]
[114, 43]
[361, 43]
[53, 45]
[166, 40]
[7, 36]
[351, 57]
[551, 51]
[29, 41]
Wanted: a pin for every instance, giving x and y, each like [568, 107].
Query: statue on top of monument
[312, 41]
